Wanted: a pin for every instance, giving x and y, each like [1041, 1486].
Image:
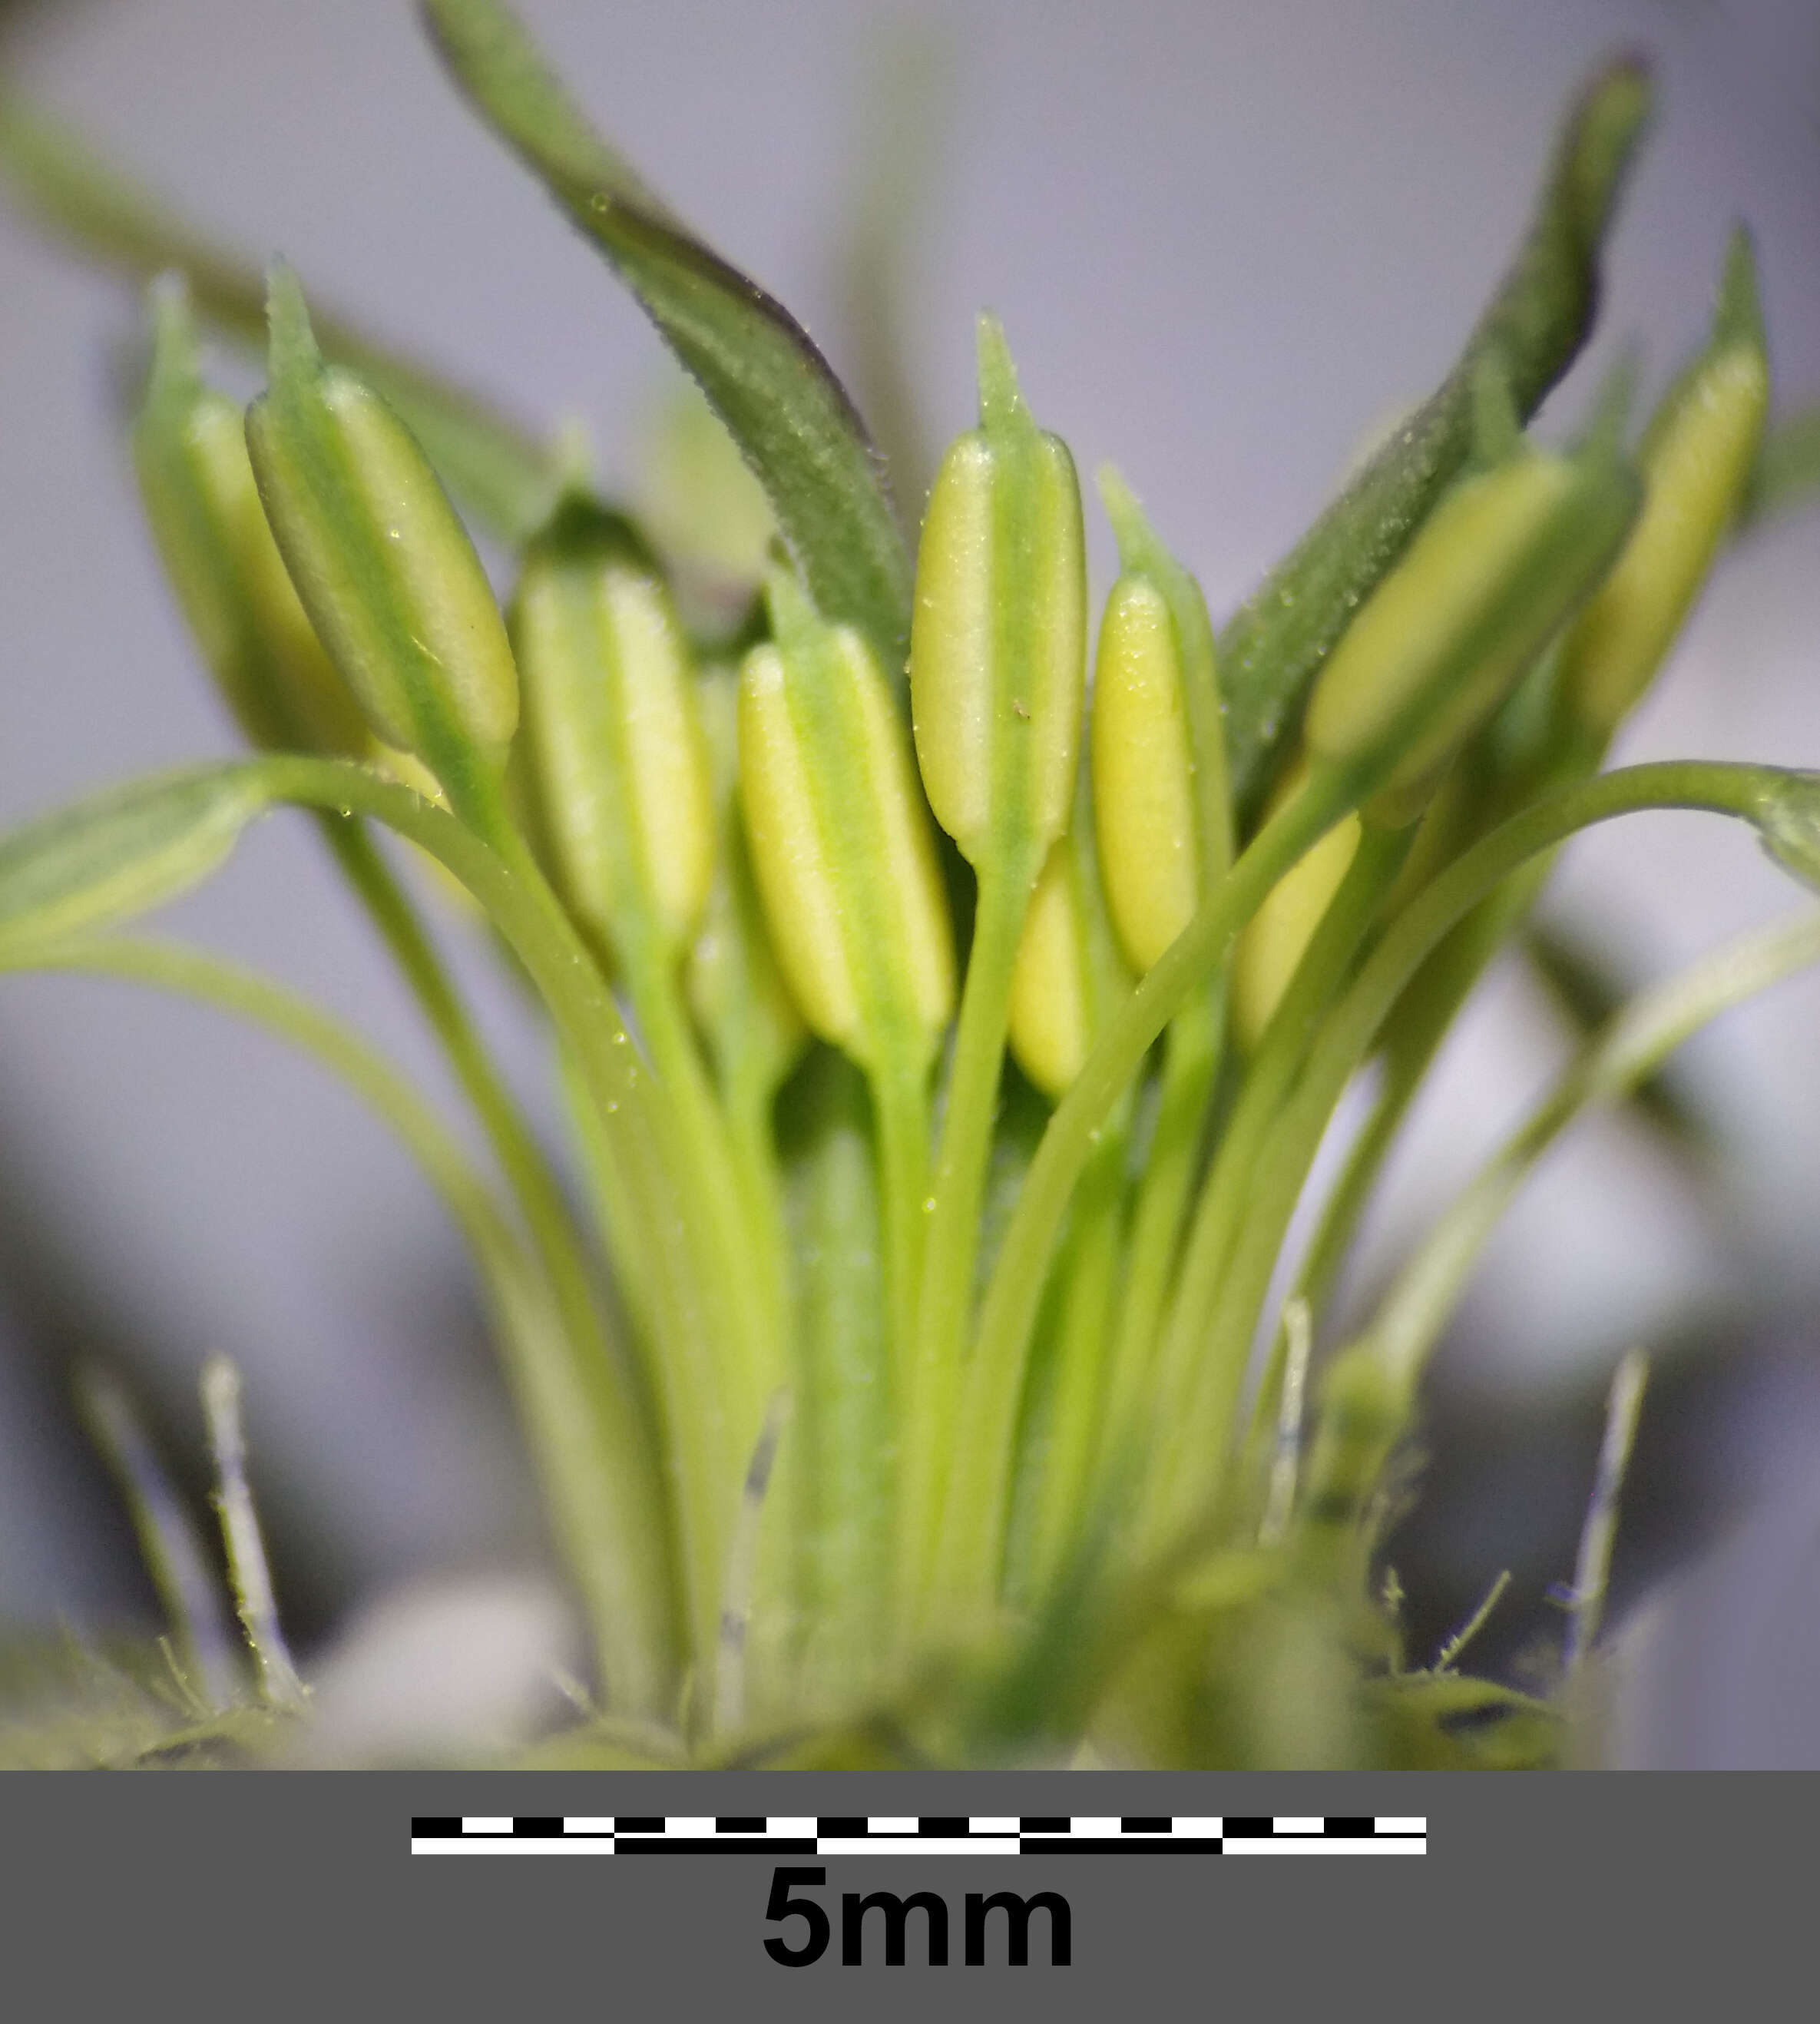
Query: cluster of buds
[950, 1004]
[747, 846]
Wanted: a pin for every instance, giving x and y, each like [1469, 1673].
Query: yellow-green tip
[292, 350]
[1738, 313]
[792, 614]
[176, 361]
[1001, 398]
[1139, 549]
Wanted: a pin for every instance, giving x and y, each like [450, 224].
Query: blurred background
[1229, 238]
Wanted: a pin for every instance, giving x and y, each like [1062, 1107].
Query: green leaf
[111, 858]
[791, 417]
[501, 473]
[1535, 323]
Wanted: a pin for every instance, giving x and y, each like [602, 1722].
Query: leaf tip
[1603, 129]
[176, 362]
[1001, 398]
[293, 347]
[1738, 312]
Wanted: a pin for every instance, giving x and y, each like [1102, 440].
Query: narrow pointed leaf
[1535, 322]
[107, 860]
[791, 417]
[496, 467]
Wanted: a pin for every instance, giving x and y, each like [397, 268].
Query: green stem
[1632, 1046]
[592, 1447]
[1191, 1065]
[1414, 1031]
[1369, 1391]
[249, 1573]
[901, 1108]
[974, 1511]
[534, 1185]
[168, 1542]
[738, 1239]
[1347, 1034]
[696, 1307]
[845, 1422]
[1184, 1356]
[1076, 1406]
[945, 1307]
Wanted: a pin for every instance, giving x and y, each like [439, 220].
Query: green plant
[915, 1415]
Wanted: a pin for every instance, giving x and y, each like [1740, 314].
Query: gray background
[1228, 241]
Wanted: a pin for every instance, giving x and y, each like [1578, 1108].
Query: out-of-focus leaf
[499, 470]
[1535, 322]
[791, 417]
[106, 860]
[1588, 989]
[1786, 477]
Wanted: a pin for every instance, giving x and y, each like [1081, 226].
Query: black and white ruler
[920, 1834]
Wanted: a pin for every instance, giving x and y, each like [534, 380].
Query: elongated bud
[1696, 461]
[383, 565]
[1070, 975]
[1499, 565]
[613, 744]
[842, 849]
[998, 639]
[736, 989]
[1162, 824]
[1144, 816]
[1276, 938]
[189, 452]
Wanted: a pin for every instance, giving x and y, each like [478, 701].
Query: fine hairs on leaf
[1535, 323]
[790, 416]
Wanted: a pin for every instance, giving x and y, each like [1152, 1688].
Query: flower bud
[614, 747]
[844, 858]
[997, 638]
[1069, 974]
[1144, 813]
[736, 990]
[1495, 570]
[383, 565]
[1162, 818]
[1274, 941]
[189, 451]
[1696, 462]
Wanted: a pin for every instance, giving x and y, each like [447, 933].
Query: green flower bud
[998, 639]
[1695, 460]
[840, 842]
[613, 744]
[1144, 812]
[1497, 567]
[383, 565]
[1156, 747]
[736, 990]
[1050, 1022]
[1069, 974]
[189, 451]
[1270, 948]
